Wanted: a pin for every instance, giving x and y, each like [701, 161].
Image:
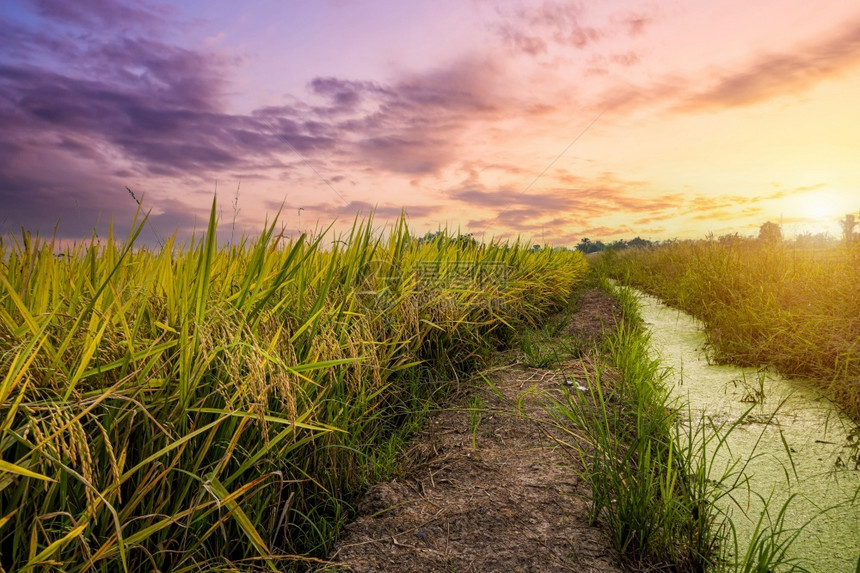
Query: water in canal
[813, 430]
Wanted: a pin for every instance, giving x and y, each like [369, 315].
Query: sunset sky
[550, 120]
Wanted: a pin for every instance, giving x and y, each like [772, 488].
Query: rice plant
[217, 407]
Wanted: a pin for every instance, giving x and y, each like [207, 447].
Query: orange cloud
[762, 78]
[778, 74]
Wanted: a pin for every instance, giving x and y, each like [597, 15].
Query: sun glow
[820, 210]
[821, 206]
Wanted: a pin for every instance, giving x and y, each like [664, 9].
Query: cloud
[563, 237]
[508, 197]
[577, 204]
[626, 59]
[413, 126]
[706, 206]
[44, 201]
[589, 195]
[407, 156]
[410, 126]
[140, 111]
[760, 79]
[126, 110]
[391, 211]
[120, 107]
[775, 75]
[331, 210]
[529, 29]
[530, 220]
[723, 207]
[520, 42]
[655, 218]
[553, 28]
[127, 106]
[787, 192]
[161, 132]
[585, 203]
[725, 215]
[344, 95]
[101, 13]
[635, 23]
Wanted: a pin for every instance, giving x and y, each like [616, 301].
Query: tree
[848, 229]
[770, 232]
[638, 242]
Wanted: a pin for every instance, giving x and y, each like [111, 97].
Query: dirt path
[488, 489]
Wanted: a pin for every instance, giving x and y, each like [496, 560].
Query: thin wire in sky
[547, 168]
[306, 162]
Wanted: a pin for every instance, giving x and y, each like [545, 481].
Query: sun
[819, 210]
[821, 206]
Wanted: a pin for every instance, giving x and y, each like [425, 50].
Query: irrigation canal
[784, 413]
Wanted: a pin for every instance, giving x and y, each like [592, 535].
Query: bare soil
[597, 315]
[489, 488]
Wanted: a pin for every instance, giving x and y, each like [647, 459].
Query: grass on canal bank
[654, 474]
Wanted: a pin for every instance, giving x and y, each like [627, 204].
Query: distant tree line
[586, 245]
[443, 238]
[769, 233]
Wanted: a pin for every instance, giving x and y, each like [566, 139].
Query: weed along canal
[788, 442]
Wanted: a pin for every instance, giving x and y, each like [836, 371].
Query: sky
[549, 120]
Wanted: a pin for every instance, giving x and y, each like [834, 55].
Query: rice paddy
[204, 406]
[220, 407]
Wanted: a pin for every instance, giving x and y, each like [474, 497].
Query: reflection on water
[814, 431]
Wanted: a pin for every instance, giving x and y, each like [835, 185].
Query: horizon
[153, 239]
[551, 121]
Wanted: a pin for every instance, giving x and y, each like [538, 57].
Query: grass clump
[625, 431]
[477, 409]
[205, 407]
[763, 302]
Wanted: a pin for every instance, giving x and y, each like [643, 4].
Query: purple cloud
[100, 13]
[328, 210]
[345, 95]
[85, 114]
[126, 106]
[528, 29]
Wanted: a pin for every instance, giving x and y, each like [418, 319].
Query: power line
[547, 168]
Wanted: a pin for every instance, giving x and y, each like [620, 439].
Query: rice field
[795, 309]
[204, 406]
